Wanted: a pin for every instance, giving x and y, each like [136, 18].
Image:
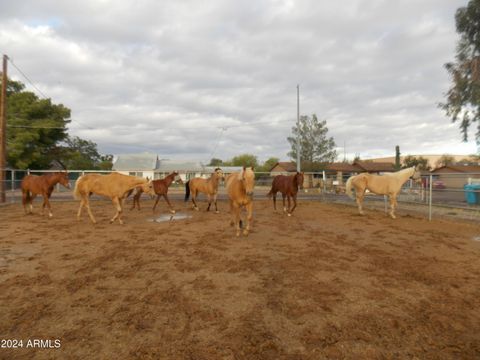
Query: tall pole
[298, 128]
[3, 131]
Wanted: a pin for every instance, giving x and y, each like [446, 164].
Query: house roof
[289, 166]
[141, 161]
[374, 166]
[179, 165]
[459, 168]
[343, 167]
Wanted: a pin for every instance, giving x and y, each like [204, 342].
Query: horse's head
[176, 177]
[64, 180]
[299, 178]
[247, 176]
[416, 173]
[147, 187]
[219, 174]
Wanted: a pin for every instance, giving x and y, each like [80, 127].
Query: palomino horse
[240, 194]
[387, 184]
[115, 186]
[33, 185]
[160, 187]
[208, 186]
[288, 186]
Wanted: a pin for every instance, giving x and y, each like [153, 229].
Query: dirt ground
[325, 283]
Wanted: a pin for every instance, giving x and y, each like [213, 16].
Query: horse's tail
[187, 190]
[76, 191]
[348, 187]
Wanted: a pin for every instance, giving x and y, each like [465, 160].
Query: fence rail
[435, 195]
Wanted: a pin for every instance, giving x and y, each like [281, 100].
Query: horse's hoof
[289, 214]
[217, 212]
[196, 209]
[238, 233]
[245, 232]
[172, 211]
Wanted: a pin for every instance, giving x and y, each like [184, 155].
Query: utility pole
[298, 128]
[3, 131]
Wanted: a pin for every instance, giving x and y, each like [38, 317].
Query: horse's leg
[236, 211]
[136, 200]
[46, 202]
[393, 203]
[359, 197]
[25, 200]
[283, 198]
[288, 209]
[194, 196]
[215, 202]
[274, 196]
[249, 208]
[172, 210]
[156, 202]
[87, 204]
[79, 212]
[116, 203]
[209, 201]
[294, 197]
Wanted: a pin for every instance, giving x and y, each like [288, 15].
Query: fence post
[385, 201]
[324, 178]
[13, 185]
[430, 198]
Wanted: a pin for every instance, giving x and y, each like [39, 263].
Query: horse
[387, 184]
[288, 186]
[208, 186]
[240, 194]
[160, 187]
[33, 185]
[115, 186]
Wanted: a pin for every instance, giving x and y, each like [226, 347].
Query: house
[455, 176]
[142, 164]
[283, 168]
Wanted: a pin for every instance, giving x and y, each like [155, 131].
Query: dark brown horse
[33, 185]
[161, 189]
[288, 186]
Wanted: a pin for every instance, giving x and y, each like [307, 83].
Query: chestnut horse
[386, 184]
[208, 186]
[160, 187]
[240, 194]
[115, 186]
[288, 186]
[33, 185]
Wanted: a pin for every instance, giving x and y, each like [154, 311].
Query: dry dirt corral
[325, 283]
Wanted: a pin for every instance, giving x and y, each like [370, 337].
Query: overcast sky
[201, 79]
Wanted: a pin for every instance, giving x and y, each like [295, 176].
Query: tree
[463, 98]
[411, 160]
[34, 126]
[215, 162]
[445, 160]
[245, 160]
[269, 164]
[315, 146]
[397, 158]
[82, 154]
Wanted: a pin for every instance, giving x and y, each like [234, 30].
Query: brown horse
[288, 186]
[208, 186]
[33, 185]
[240, 194]
[388, 184]
[160, 187]
[115, 186]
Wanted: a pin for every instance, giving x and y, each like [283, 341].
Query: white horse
[387, 184]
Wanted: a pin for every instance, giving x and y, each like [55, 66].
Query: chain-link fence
[440, 195]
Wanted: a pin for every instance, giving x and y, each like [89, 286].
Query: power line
[40, 91]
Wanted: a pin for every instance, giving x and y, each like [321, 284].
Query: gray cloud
[190, 79]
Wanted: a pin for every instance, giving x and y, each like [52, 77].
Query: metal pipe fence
[436, 195]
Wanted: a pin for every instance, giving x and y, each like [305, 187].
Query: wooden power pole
[3, 131]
